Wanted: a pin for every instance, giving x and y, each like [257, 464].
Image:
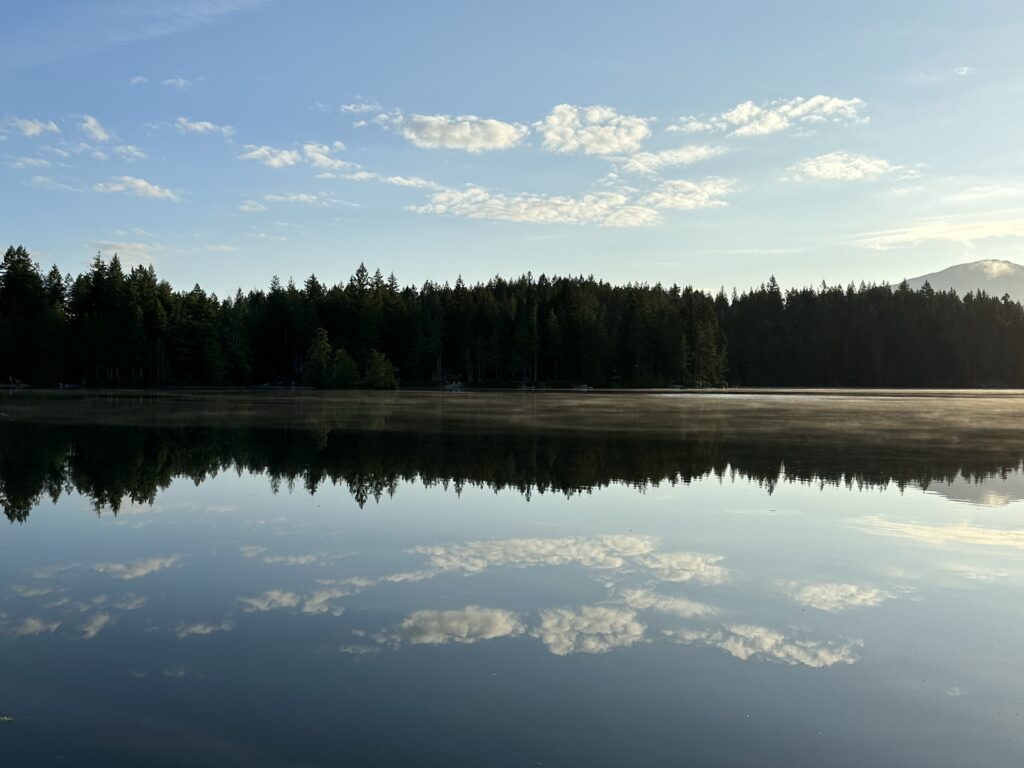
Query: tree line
[109, 326]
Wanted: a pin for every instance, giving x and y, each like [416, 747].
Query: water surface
[511, 579]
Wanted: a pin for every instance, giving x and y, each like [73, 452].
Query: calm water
[514, 580]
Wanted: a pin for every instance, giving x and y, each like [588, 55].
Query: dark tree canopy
[112, 327]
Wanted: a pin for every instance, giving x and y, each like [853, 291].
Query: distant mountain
[993, 276]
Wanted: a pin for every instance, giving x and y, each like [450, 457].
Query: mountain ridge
[994, 276]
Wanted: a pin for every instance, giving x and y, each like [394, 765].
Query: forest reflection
[111, 464]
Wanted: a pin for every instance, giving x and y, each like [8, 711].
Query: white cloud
[964, 71]
[750, 119]
[592, 130]
[608, 209]
[33, 626]
[270, 601]
[591, 629]
[138, 80]
[682, 195]
[95, 625]
[646, 600]
[200, 630]
[34, 127]
[953, 229]
[275, 158]
[178, 83]
[136, 569]
[130, 153]
[94, 129]
[252, 206]
[842, 166]
[749, 642]
[834, 597]
[136, 187]
[466, 625]
[466, 132]
[319, 155]
[184, 125]
[652, 162]
[687, 566]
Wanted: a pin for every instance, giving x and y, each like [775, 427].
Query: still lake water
[518, 579]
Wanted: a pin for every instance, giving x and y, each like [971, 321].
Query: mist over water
[506, 579]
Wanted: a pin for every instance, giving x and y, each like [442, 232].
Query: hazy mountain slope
[995, 277]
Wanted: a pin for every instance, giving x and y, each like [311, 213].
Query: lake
[507, 579]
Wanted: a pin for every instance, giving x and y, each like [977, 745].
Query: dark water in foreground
[511, 580]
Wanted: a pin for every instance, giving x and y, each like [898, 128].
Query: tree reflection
[113, 464]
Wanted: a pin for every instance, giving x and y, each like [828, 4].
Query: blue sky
[710, 143]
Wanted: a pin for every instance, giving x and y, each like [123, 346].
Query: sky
[700, 143]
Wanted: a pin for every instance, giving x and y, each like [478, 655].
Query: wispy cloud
[185, 125]
[130, 153]
[201, 630]
[964, 533]
[30, 162]
[746, 642]
[955, 229]
[94, 129]
[178, 83]
[33, 626]
[750, 119]
[360, 107]
[138, 568]
[95, 624]
[33, 128]
[136, 187]
[272, 600]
